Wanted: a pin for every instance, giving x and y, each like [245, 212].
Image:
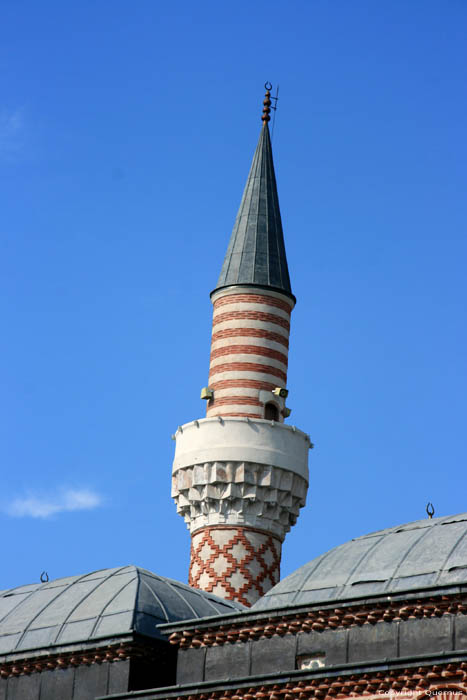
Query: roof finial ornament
[430, 509]
[267, 103]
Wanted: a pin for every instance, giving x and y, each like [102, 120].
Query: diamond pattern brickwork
[235, 563]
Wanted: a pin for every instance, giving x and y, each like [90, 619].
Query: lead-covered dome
[422, 554]
[105, 603]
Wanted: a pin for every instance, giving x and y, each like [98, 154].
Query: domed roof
[110, 602]
[425, 553]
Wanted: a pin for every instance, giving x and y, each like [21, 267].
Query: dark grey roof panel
[75, 631]
[110, 602]
[422, 554]
[256, 252]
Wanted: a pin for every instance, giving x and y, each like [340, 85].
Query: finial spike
[267, 103]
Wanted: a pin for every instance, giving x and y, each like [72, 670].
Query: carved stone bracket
[239, 493]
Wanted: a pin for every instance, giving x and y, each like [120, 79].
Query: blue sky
[126, 135]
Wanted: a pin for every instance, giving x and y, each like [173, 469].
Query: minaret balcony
[240, 471]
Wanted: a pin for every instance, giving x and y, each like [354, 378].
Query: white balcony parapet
[240, 472]
[242, 440]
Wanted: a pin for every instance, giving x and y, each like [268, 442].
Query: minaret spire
[240, 476]
[256, 252]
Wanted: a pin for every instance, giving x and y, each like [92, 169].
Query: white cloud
[43, 507]
[11, 131]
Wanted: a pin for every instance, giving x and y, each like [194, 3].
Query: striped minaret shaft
[240, 475]
[249, 352]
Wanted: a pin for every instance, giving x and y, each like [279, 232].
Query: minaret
[240, 475]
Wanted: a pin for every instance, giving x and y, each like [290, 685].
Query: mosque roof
[421, 554]
[105, 603]
[256, 252]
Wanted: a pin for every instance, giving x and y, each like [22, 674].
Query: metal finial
[44, 577]
[267, 103]
[430, 509]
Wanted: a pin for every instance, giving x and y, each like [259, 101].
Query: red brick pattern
[250, 333]
[111, 653]
[243, 383]
[240, 414]
[446, 681]
[238, 400]
[231, 355]
[248, 367]
[253, 299]
[249, 350]
[252, 316]
[317, 620]
[237, 563]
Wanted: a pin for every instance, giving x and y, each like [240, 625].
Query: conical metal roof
[256, 253]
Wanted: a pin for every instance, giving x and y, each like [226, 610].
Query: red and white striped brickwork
[249, 350]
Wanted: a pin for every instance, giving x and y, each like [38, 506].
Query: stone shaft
[249, 352]
[235, 563]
